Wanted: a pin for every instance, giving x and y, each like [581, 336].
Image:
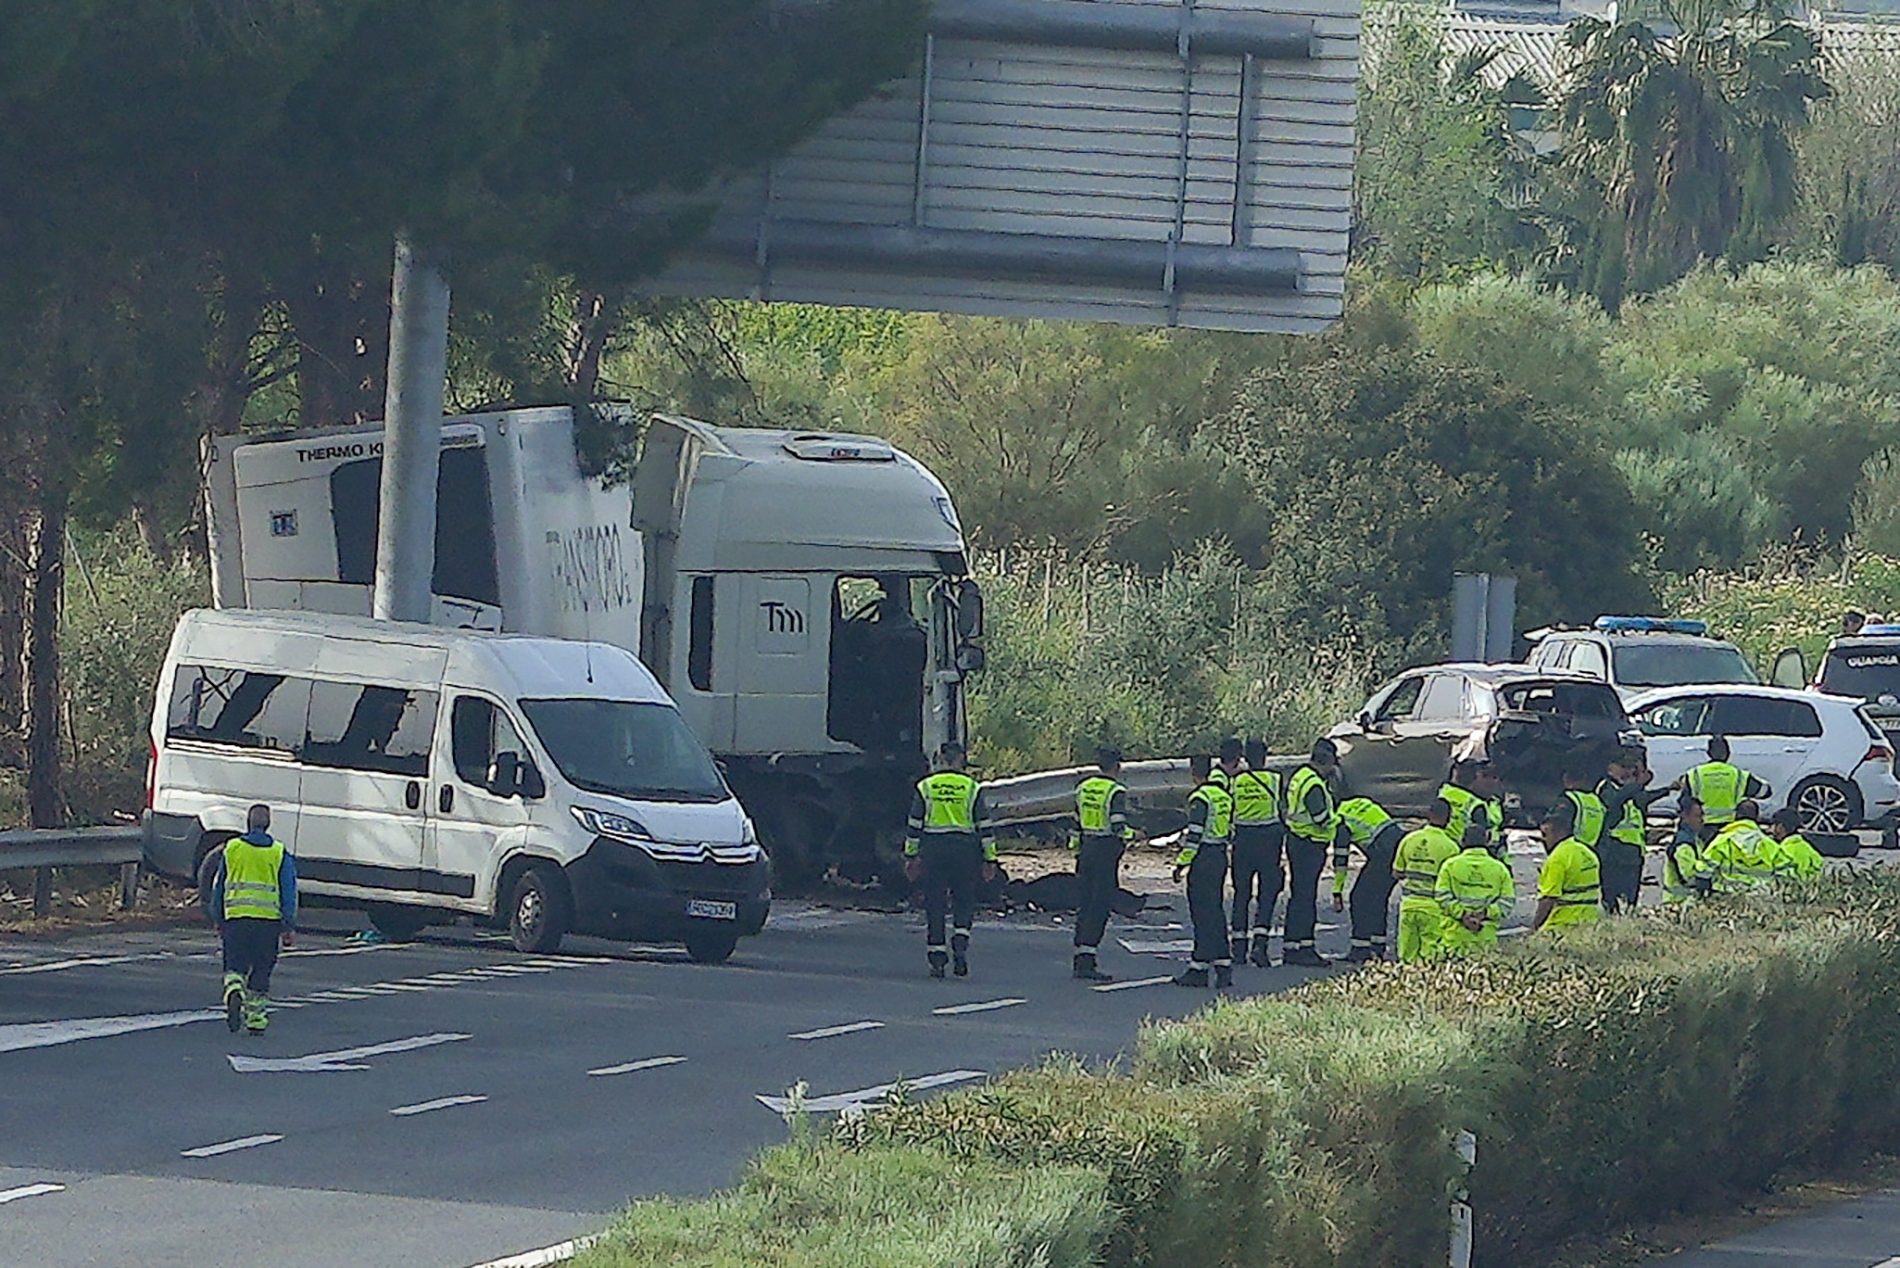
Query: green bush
[1644, 1067]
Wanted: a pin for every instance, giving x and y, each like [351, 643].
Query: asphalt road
[1864, 1233]
[477, 1102]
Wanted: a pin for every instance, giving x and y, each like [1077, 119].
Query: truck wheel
[538, 909]
[1826, 804]
[398, 924]
[791, 838]
[711, 946]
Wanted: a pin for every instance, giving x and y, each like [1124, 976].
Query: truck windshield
[625, 749]
[1679, 664]
[1864, 672]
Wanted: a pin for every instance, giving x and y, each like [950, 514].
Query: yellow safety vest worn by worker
[1301, 820]
[1719, 787]
[1415, 867]
[1256, 798]
[949, 801]
[1095, 808]
[1629, 828]
[1216, 825]
[1468, 808]
[1472, 881]
[250, 880]
[1683, 867]
[1572, 876]
[1742, 857]
[1362, 817]
[1590, 816]
[1794, 856]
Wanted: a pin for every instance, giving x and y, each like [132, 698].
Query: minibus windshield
[626, 749]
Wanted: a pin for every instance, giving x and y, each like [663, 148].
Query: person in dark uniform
[1259, 839]
[1203, 862]
[1102, 832]
[948, 851]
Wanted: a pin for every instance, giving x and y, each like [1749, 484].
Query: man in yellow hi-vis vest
[1101, 834]
[948, 850]
[1203, 863]
[1311, 820]
[253, 901]
[1720, 786]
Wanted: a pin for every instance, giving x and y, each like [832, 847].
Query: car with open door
[1821, 754]
[1529, 723]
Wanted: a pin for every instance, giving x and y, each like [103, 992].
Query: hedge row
[1646, 1066]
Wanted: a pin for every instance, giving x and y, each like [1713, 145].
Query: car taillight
[1878, 753]
[151, 775]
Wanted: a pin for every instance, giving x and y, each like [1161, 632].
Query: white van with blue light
[419, 773]
[1635, 654]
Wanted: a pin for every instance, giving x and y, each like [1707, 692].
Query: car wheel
[1826, 804]
[538, 909]
[711, 946]
[398, 924]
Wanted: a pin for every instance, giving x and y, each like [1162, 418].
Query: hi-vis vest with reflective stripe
[1363, 818]
[1463, 803]
[1299, 820]
[1256, 797]
[1220, 813]
[1628, 829]
[1590, 814]
[1682, 865]
[1422, 852]
[250, 880]
[949, 802]
[1093, 797]
[1718, 786]
[1742, 856]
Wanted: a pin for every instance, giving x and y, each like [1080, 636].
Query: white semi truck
[804, 597]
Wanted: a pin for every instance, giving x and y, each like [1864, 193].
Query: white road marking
[343, 1059]
[1175, 946]
[957, 1010]
[1889, 1263]
[357, 949]
[827, 1032]
[441, 1102]
[866, 1096]
[56, 966]
[229, 1146]
[29, 1191]
[1131, 984]
[47, 1034]
[560, 1252]
[407, 986]
[650, 1063]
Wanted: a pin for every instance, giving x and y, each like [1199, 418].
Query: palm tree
[1683, 122]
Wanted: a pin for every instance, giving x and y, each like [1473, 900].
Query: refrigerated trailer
[805, 597]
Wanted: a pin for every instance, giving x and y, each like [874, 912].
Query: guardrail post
[128, 886]
[1467, 1146]
[42, 892]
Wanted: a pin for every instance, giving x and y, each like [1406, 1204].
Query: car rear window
[1762, 715]
[1580, 699]
[1868, 672]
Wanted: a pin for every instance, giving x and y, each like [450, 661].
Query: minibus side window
[479, 730]
[237, 707]
[369, 727]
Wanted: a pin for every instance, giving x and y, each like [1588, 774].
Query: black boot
[1085, 970]
[937, 960]
[1262, 956]
[1190, 976]
[1223, 976]
[960, 954]
[1306, 958]
[1237, 947]
[1361, 953]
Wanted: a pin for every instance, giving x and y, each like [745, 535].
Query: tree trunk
[595, 320]
[341, 315]
[12, 636]
[45, 579]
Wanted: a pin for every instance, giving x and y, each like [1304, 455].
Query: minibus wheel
[538, 909]
[711, 947]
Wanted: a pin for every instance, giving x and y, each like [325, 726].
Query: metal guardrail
[40, 848]
[1050, 794]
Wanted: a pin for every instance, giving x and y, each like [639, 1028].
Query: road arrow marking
[229, 1146]
[1131, 985]
[343, 1059]
[650, 1063]
[29, 1191]
[828, 1032]
[870, 1095]
[46, 1034]
[957, 1010]
[443, 1102]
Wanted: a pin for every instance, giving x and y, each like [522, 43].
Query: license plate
[708, 910]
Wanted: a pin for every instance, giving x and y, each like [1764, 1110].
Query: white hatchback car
[1820, 754]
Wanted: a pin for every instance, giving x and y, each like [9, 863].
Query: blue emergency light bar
[1651, 625]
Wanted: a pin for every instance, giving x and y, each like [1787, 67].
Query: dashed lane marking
[229, 1146]
[830, 1032]
[649, 1063]
[29, 1191]
[81, 962]
[1132, 984]
[988, 1005]
[441, 1102]
[868, 1096]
